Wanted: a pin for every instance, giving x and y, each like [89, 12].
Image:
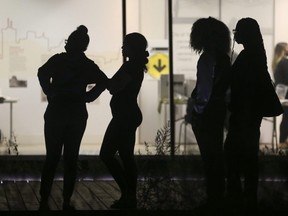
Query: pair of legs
[120, 137]
[63, 131]
[209, 133]
[241, 152]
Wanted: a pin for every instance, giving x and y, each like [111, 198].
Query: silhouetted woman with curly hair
[211, 39]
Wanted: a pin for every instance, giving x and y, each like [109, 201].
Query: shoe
[124, 204]
[68, 207]
[43, 206]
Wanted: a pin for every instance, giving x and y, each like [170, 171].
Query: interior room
[33, 31]
[29, 37]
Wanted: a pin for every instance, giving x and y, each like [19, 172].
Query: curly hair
[211, 35]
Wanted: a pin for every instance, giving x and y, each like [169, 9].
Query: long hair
[249, 34]
[249, 31]
[279, 53]
[211, 35]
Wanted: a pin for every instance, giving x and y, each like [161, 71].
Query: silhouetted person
[126, 117]
[211, 39]
[252, 97]
[280, 72]
[64, 78]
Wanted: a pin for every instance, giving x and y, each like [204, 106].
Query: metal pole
[171, 79]
[124, 22]
[11, 122]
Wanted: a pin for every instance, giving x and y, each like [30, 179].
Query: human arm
[95, 92]
[205, 74]
[100, 80]
[45, 74]
[119, 80]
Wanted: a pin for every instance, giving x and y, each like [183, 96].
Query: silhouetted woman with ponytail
[126, 118]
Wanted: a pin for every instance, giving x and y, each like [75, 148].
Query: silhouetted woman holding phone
[252, 98]
[126, 117]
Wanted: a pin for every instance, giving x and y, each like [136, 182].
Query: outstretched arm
[95, 92]
[101, 81]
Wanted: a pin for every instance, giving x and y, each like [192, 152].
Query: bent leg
[112, 139]
[126, 152]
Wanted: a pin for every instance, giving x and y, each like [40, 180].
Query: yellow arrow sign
[158, 64]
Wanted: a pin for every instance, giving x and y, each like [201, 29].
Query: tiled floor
[94, 192]
[94, 197]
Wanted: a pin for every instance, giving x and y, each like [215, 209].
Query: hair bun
[82, 29]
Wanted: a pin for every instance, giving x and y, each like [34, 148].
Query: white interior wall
[281, 17]
[33, 41]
